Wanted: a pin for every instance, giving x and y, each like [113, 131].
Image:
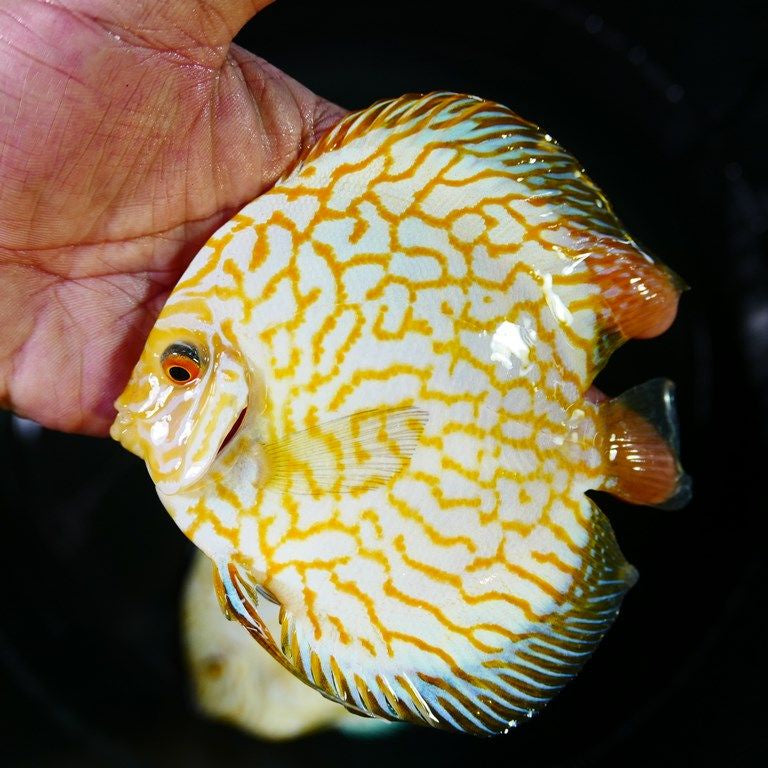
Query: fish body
[367, 400]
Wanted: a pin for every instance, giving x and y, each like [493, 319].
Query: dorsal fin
[493, 134]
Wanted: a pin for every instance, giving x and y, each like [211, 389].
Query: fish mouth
[234, 430]
[124, 432]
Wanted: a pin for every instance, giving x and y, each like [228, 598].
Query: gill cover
[178, 429]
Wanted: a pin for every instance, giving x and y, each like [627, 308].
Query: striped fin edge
[493, 695]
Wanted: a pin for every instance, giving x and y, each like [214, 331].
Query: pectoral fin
[351, 454]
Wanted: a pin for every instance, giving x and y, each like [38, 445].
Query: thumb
[197, 29]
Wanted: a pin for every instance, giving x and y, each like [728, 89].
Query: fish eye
[181, 362]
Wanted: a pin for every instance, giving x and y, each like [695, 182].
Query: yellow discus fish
[368, 401]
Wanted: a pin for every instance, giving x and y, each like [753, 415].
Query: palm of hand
[120, 152]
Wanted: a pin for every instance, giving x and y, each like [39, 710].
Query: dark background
[666, 105]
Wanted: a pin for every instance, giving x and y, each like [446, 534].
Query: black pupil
[177, 373]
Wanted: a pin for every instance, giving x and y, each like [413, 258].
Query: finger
[287, 119]
[197, 29]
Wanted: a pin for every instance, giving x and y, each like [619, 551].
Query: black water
[666, 105]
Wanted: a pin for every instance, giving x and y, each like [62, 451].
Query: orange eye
[181, 363]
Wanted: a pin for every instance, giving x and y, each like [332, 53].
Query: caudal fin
[641, 446]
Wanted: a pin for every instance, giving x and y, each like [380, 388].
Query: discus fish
[368, 401]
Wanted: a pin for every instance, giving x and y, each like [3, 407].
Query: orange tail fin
[640, 438]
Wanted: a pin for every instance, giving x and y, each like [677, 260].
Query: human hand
[128, 133]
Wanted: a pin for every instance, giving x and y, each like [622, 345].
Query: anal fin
[453, 687]
[641, 446]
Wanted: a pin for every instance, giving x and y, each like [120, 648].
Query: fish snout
[123, 430]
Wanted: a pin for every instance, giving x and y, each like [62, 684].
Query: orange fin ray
[641, 447]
